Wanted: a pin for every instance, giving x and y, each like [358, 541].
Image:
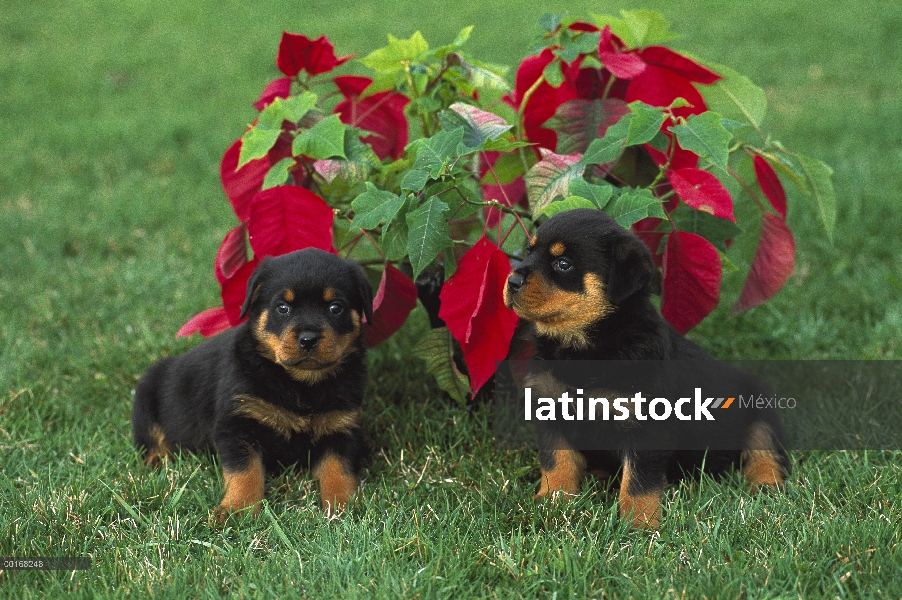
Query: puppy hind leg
[641, 489]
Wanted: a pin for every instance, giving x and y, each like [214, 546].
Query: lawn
[114, 119]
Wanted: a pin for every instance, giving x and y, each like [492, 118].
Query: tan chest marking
[285, 422]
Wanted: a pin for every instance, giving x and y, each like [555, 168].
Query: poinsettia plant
[433, 171]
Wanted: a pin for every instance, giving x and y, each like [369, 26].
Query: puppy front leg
[337, 482]
[562, 466]
[641, 488]
[243, 478]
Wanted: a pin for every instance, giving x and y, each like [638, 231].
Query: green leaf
[633, 205]
[553, 73]
[607, 149]
[414, 180]
[660, 142]
[461, 39]
[732, 126]
[550, 22]
[255, 143]
[679, 102]
[647, 26]
[586, 42]
[502, 145]
[735, 97]
[449, 263]
[619, 27]
[464, 198]
[294, 108]
[818, 174]
[394, 236]
[436, 349]
[278, 173]
[712, 228]
[483, 78]
[374, 207]
[428, 234]
[394, 241]
[435, 153]
[579, 122]
[258, 140]
[384, 82]
[324, 140]
[705, 135]
[645, 124]
[599, 195]
[359, 162]
[638, 27]
[516, 239]
[507, 168]
[479, 125]
[398, 52]
[551, 177]
[779, 162]
[726, 264]
[566, 204]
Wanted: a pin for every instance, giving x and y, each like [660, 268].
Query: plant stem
[608, 86]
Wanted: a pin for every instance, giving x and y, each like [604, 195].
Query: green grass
[115, 116]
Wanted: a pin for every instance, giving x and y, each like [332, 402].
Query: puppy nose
[515, 282]
[308, 340]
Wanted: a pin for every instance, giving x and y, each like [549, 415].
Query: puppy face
[305, 311]
[579, 267]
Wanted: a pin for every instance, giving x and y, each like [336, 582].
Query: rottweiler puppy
[585, 285]
[284, 387]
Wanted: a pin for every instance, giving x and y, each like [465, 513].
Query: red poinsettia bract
[382, 114]
[473, 308]
[299, 53]
[774, 260]
[691, 282]
[395, 298]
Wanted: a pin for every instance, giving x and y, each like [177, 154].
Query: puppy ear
[253, 286]
[365, 290]
[631, 268]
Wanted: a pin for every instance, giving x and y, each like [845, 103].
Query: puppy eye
[283, 309]
[562, 265]
[335, 308]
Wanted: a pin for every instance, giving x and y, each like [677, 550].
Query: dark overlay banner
[701, 404]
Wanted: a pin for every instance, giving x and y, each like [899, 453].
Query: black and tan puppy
[585, 285]
[284, 387]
